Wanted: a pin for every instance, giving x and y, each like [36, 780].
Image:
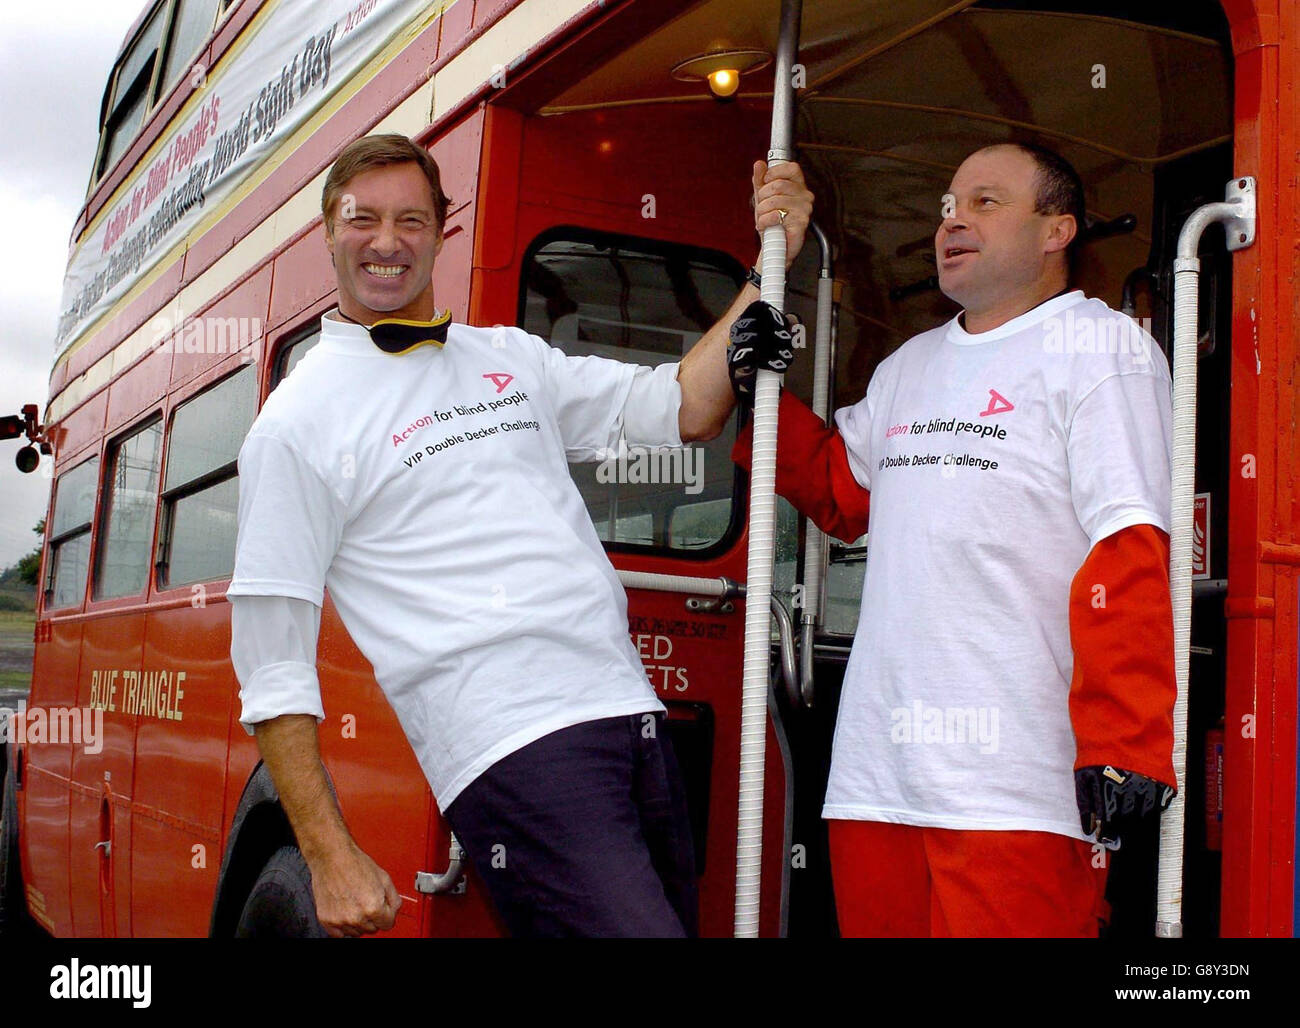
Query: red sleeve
[1122, 632]
[812, 470]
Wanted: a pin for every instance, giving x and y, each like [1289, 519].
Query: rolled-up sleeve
[653, 404]
[273, 649]
[290, 527]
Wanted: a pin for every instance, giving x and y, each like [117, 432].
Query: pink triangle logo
[998, 404]
[500, 379]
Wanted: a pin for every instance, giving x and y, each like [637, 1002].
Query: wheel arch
[258, 828]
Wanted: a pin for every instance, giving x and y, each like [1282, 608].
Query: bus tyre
[14, 920]
[281, 904]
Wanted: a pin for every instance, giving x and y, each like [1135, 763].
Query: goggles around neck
[398, 335]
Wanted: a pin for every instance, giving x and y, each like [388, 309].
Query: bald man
[1007, 706]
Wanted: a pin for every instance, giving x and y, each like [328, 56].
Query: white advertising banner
[300, 53]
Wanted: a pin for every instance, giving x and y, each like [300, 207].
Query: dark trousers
[585, 833]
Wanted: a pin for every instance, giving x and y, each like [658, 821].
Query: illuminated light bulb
[722, 69]
[724, 82]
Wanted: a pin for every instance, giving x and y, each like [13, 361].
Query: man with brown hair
[418, 468]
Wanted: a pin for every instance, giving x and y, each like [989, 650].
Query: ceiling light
[721, 69]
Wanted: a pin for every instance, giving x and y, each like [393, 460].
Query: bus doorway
[633, 170]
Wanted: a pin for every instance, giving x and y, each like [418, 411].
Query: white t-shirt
[430, 493]
[995, 461]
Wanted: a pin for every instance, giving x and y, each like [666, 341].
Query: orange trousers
[901, 881]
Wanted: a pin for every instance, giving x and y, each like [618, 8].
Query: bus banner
[238, 117]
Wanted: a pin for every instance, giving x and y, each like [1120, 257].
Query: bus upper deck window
[132, 92]
[192, 22]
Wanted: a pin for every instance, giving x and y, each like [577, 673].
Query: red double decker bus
[598, 166]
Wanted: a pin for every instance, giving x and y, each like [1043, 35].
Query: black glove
[760, 338]
[1111, 800]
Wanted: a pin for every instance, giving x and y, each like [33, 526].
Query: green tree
[28, 568]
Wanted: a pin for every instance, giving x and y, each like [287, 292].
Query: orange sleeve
[812, 470]
[1122, 633]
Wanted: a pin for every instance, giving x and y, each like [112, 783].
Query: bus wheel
[281, 904]
[14, 921]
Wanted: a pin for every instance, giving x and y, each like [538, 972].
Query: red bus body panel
[165, 790]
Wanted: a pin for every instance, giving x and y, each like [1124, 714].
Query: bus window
[74, 507]
[201, 488]
[192, 23]
[130, 504]
[643, 302]
[131, 92]
[844, 575]
[292, 354]
[787, 556]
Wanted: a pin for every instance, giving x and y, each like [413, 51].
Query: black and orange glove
[1112, 800]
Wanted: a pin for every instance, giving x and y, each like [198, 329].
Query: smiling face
[384, 236]
[993, 251]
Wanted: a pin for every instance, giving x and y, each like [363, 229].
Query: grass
[16, 649]
[16, 628]
[15, 681]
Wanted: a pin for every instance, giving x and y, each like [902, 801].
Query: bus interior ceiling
[894, 96]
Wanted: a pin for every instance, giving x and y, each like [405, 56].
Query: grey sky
[54, 62]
